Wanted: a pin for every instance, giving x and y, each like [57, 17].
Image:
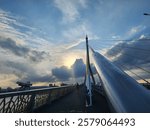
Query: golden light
[70, 58]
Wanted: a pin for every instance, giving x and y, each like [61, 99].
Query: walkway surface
[74, 102]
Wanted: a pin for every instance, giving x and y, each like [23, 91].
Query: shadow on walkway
[74, 102]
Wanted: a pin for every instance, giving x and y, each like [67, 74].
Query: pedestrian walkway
[74, 102]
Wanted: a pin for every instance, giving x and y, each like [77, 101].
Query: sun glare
[69, 60]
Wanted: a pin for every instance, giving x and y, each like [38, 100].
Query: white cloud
[76, 35]
[23, 48]
[74, 44]
[115, 36]
[135, 30]
[78, 32]
[70, 8]
[10, 27]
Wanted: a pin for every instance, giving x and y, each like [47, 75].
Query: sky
[43, 41]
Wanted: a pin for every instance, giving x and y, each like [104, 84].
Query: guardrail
[29, 100]
[124, 94]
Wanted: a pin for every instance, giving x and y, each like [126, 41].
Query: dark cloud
[131, 53]
[19, 69]
[40, 78]
[22, 51]
[78, 68]
[10, 45]
[62, 73]
[24, 72]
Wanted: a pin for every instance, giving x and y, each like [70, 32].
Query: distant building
[52, 85]
[63, 84]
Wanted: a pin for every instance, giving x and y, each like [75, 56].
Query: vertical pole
[88, 80]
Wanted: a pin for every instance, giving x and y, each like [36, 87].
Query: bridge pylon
[88, 74]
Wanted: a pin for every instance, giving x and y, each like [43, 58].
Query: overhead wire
[134, 73]
[137, 74]
[127, 55]
[141, 49]
[141, 68]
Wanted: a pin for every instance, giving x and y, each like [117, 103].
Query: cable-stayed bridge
[117, 92]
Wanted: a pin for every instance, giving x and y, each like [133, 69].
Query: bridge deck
[75, 103]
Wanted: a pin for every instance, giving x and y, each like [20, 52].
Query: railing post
[31, 103]
[49, 98]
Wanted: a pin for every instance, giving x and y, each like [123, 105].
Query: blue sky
[101, 18]
[56, 29]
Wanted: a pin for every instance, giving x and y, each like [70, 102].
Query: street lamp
[146, 14]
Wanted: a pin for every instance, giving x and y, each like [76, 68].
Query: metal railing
[124, 94]
[29, 100]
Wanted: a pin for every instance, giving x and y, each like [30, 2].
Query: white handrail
[123, 92]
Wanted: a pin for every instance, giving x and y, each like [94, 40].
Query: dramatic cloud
[24, 56]
[19, 50]
[41, 40]
[130, 53]
[133, 54]
[62, 73]
[78, 68]
[39, 78]
[23, 71]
